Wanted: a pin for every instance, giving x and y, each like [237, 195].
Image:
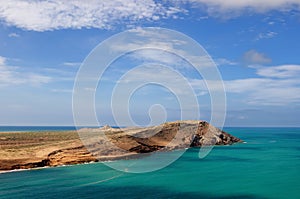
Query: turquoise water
[267, 166]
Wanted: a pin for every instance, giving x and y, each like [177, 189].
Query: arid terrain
[23, 150]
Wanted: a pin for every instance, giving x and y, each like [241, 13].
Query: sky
[254, 44]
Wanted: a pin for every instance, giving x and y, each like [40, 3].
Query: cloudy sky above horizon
[255, 45]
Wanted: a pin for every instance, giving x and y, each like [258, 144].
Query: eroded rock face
[173, 135]
[106, 144]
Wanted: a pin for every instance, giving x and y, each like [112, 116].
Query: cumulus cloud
[254, 57]
[10, 75]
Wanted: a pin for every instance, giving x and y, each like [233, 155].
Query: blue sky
[254, 44]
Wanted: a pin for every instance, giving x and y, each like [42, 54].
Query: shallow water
[267, 166]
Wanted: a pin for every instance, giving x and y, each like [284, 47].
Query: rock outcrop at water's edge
[31, 150]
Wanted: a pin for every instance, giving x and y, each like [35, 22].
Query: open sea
[266, 166]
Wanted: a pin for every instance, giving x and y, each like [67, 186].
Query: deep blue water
[267, 166]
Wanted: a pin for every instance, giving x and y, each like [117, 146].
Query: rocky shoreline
[25, 150]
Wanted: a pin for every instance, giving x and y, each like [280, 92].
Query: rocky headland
[24, 150]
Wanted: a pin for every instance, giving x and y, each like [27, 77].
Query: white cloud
[223, 61]
[156, 74]
[162, 47]
[283, 71]
[13, 35]
[41, 15]
[266, 91]
[62, 90]
[60, 14]
[254, 57]
[267, 35]
[10, 75]
[220, 6]
[159, 56]
[2, 60]
[72, 64]
[277, 85]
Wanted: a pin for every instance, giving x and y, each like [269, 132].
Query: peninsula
[24, 150]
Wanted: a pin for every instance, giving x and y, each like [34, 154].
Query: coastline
[126, 157]
[47, 167]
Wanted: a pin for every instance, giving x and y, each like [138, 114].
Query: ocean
[266, 166]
